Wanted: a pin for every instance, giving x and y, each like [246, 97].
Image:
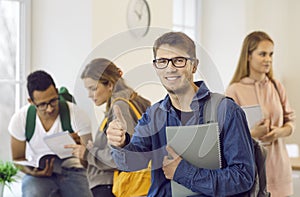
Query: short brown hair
[176, 39]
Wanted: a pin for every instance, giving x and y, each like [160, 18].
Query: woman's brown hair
[102, 70]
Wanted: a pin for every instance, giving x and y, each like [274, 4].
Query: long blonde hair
[249, 45]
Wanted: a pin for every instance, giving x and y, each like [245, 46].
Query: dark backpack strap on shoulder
[64, 114]
[30, 122]
[210, 108]
[65, 94]
[64, 110]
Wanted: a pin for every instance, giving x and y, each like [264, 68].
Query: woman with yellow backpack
[105, 85]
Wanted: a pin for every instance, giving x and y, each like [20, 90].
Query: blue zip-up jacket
[149, 142]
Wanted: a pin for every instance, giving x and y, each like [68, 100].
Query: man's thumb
[118, 114]
[171, 152]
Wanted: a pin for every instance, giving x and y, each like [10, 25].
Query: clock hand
[141, 8]
[138, 14]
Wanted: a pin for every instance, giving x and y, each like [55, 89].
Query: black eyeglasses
[178, 62]
[43, 106]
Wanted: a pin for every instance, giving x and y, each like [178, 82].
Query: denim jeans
[72, 182]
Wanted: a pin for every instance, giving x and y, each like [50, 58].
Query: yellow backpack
[129, 184]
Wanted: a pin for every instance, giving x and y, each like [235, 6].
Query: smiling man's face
[175, 80]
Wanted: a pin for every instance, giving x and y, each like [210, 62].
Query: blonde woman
[253, 83]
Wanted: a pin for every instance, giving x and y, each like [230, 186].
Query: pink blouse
[275, 106]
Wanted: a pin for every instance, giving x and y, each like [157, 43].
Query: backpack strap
[277, 90]
[30, 122]
[64, 113]
[65, 95]
[210, 107]
[132, 107]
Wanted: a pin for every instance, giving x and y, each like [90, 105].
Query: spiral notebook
[197, 144]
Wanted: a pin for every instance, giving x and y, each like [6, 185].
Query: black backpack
[259, 188]
[64, 113]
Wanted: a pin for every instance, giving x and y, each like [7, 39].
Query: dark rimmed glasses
[178, 62]
[43, 106]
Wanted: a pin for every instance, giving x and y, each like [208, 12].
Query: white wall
[61, 37]
[226, 23]
[222, 30]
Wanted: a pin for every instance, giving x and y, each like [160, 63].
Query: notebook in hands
[253, 114]
[197, 144]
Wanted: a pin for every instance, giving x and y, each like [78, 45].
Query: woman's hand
[261, 129]
[274, 134]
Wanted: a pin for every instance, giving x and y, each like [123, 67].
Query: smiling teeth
[171, 78]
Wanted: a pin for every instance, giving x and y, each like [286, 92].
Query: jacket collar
[202, 93]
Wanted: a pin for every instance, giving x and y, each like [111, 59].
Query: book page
[40, 162]
[56, 143]
[26, 163]
[33, 162]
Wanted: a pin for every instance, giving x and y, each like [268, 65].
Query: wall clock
[138, 17]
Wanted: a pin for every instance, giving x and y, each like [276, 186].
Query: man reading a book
[175, 62]
[49, 176]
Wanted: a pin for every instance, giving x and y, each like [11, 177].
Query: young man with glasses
[175, 62]
[72, 180]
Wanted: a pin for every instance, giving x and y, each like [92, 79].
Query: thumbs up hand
[117, 129]
[170, 163]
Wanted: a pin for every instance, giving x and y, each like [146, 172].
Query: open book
[56, 143]
[40, 162]
[197, 144]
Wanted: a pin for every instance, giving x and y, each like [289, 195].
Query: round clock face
[138, 17]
